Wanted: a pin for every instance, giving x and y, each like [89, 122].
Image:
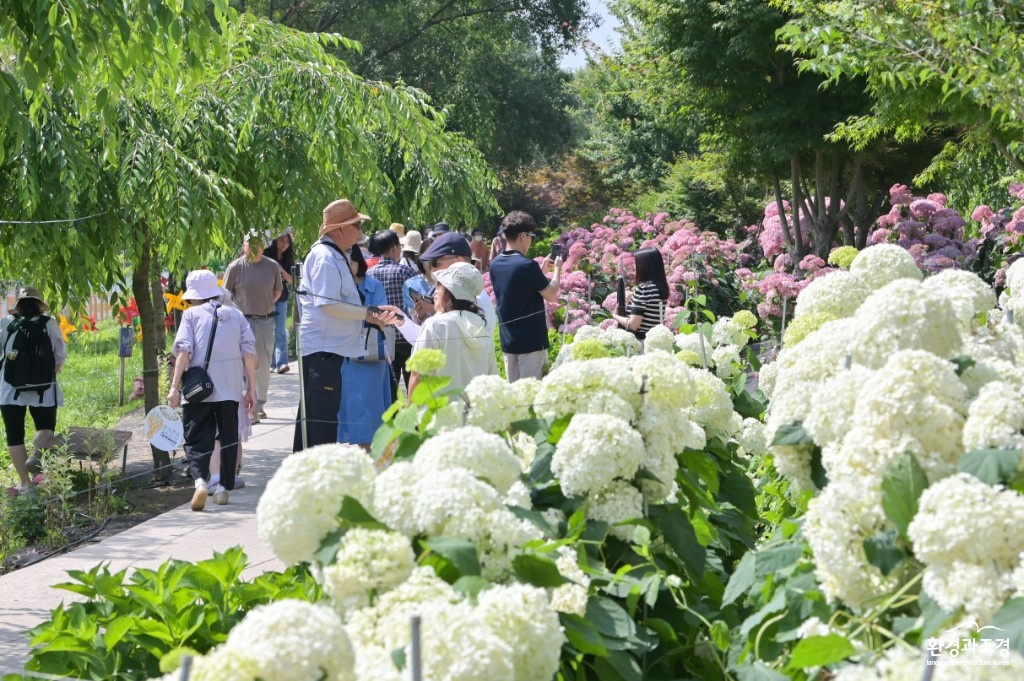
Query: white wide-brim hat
[463, 280]
[412, 241]
[201, 285]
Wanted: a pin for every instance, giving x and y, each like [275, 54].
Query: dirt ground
[145, 498]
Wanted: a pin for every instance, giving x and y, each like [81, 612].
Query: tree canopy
[491, 65]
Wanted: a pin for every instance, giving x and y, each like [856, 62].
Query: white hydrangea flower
[904, 315]
[813, 627]
[495, 403]
[995, 420]
[220, 664]
[838, 295]
[794, 463]
[821, 354]
[692, 342]
[660, 337]
[712, 406]
[669, 381]
[882, 263]
[452, 501]
[616, 503]
[863, 456]
[767, 377]
[368, 562]
[594, 450]
[293, 640]
[599, 386]
[622, 340]
[394, 493]
[1015, 277]
[301, 502]
[571, 597]
[986, 371]
[486, 454]
[917, 395]
[448, 417]
[830, 413]
[522, 615]
[966, 530]
[837, 522]
[989, 530]
[727, 331]
[519, 495]
[751, 438]
[967, 293]
[666, 432]
[727, 361]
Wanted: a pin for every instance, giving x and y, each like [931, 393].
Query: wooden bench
[95, 443]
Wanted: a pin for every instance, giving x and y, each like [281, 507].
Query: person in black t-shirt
[646, 308]
[521, 288]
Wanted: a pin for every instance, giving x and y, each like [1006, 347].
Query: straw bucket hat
[338, 214]
[33, 293]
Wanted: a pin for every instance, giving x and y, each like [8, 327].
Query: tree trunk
[152, 332]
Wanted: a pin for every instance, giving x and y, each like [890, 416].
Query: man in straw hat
[331, 318]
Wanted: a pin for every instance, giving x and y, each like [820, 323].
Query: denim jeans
[280, 334]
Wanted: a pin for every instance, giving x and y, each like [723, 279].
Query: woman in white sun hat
[458, 329]
[210, 325]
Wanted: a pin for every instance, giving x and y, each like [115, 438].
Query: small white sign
[164, 428]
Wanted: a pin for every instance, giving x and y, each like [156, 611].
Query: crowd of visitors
[350, 294]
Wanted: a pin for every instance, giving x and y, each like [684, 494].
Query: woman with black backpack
[34, 353]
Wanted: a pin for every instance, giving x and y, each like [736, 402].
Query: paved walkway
[26, 596]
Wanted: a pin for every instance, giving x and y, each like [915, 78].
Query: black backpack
[29, 364]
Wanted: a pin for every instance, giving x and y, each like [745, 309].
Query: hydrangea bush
[580, 526]
[896, 410]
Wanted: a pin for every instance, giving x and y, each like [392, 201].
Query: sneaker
[239, 482]
[283, 369]
[34, 465]
[254, 418]
[261, 414]
[199, 496]
[220, 495]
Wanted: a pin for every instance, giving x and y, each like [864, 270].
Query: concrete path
[26, 596]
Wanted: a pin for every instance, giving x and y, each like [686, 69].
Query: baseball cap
[447, 243]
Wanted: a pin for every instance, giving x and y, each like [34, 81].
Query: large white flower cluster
[995, 419]
[301, 502]
[599, 386]
[511, 634]
[485, 454]
[495, 404]
[616, 341]
[369, 562]
[452, 502]
[838, 295]
[968, 535]
[883, 263]
[716, 347]
[594, 450]
[659, 337]
[616, 503]
[292, 640]
[570, 597]
[968, 293]
[904, 315]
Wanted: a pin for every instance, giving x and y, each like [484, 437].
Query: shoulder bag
[196, 384]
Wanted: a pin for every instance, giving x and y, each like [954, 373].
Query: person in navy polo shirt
[521, 287]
